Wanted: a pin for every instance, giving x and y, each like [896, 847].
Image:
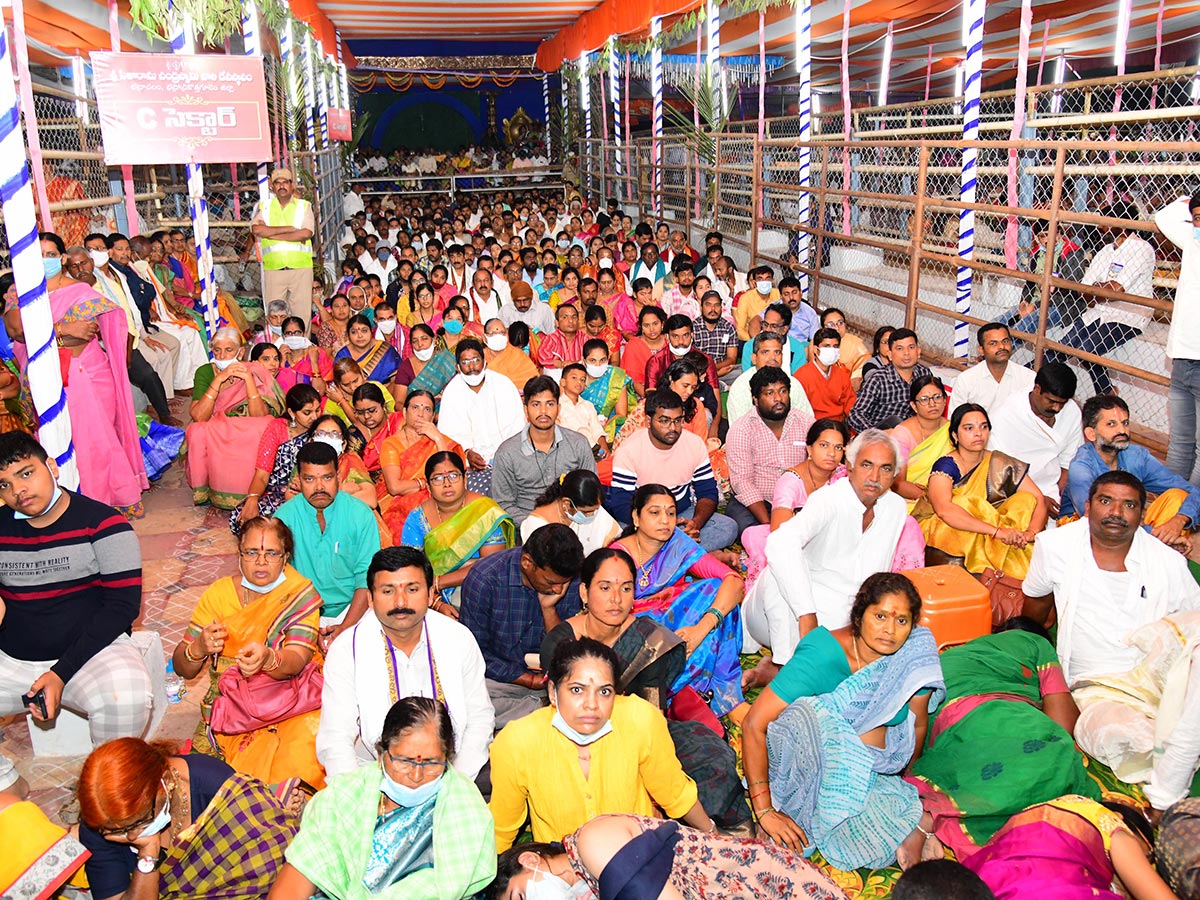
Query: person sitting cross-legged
[336, 535]
[412, 826]
[509, 601]
[70, 590]
[664, 453]
[402, 648]
[1107, 447]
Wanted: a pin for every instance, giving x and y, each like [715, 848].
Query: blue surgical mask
[264, 588]
[581, 518]
[160, 821]
[564, 244]
[276, 330]
[406, 796]
[453, 326]
[52, 265]
[576, 736]
[53, 499]
[1196, 232]
[222, 364]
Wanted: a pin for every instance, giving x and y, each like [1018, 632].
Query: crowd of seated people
[551, 527]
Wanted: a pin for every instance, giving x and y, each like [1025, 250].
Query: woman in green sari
[609, 389]
[1002, 740]
[455, 527]
[428, 369]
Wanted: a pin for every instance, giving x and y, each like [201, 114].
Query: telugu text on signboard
[162, 108]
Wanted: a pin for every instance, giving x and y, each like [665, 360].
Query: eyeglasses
[416, 767]
[368, 411]
[271, 555]
[447, 478]
[129, 832]
[470, 363]
[931, 400]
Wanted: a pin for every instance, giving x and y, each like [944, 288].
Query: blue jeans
[1184, 398]
[1029, 323]
[718, 532]
[1098, 338]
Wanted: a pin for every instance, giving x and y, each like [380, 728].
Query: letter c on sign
[146, 117]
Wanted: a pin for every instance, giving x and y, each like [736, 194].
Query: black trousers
[150, 384]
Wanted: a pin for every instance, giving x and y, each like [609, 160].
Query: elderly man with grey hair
[817, 561]
[277, 311]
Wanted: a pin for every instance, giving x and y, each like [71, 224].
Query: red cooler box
[954, 605]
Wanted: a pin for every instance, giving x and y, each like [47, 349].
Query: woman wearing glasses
[924, 438]
[197, 829]
[455, 527]
[413, 827]
[262, 622]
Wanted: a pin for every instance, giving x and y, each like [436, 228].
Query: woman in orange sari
[402, 459]
[70, 224]
[264, 622]
[232, 405]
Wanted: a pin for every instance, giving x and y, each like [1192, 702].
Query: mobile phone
[38, 700]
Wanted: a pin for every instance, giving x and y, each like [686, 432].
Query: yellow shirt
[535, 770]
[749, 305]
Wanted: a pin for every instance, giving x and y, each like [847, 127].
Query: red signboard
[339, 125]
[163, 108]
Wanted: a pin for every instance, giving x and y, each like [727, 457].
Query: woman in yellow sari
[402, 459]
[924, 438]
[264, 622]
[455, 527]
[981, 506]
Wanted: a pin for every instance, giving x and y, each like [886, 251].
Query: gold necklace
[857, 661]
[183, 802]
[643, 572]
[438, 510]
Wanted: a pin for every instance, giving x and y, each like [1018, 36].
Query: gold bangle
[275, 657]
[187, 653]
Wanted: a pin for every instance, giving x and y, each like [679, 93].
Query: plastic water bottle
[173, 683]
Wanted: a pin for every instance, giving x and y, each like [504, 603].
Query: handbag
[248, 704]
[1008, 599]
[689, 705]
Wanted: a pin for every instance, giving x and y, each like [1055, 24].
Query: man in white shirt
[1043, 428]
[1180, 224]
[1109, 580]
[995, 377]
[352, 202]
[817, 561]
[404, 649]
[524, 308]
[1127, 265]
[480, 410]
[484, 302]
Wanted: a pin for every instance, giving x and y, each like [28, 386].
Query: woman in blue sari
[377, 359]
[691, 592]
[825, 744]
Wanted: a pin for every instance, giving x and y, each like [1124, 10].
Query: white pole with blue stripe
[310, 96]
[21, 232]
[546, 111]
[656, 87]
[181, 44]
[804, 101]
[322, 98]
[973, 13]
[614, 94]
[253, 47]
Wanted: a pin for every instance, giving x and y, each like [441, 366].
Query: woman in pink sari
[232, 405]
[99, 399]
[1072, 848]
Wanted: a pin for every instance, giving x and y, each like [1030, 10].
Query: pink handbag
[248, 704]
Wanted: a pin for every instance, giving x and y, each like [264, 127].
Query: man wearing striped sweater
[70, 590]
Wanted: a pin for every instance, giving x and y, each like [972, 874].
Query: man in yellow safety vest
[284, 228]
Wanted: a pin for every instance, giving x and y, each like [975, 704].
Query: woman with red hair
[196, 827]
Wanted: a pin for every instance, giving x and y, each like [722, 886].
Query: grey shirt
[520, 472]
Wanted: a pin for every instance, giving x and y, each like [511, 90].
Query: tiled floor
[184, 549]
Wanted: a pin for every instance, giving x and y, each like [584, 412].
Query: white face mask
[276, 330]
[680, 351]
[222, 364]
[763, 287]
[548, 886]
[161, 820]
[424, 355]
[475, 379]
[385, 327]
[296, 342]
[497, 342]
[264, 588]
[595, 370]
[335, 442]
[577, 737]
[828, 355]
[99, 257]
[605, 263]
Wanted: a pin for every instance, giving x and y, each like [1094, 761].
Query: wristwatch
[147, 864]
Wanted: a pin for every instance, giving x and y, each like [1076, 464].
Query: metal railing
[882, 244]
[458, 182]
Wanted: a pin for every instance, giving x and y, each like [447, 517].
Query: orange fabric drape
[592, 29]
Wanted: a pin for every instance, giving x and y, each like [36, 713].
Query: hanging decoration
[365, 82]
[973, 13]
[679, 68]
[21, 232]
